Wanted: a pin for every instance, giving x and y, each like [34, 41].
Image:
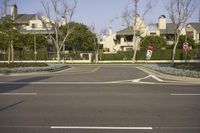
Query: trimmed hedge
[157, 55]
[42, 55]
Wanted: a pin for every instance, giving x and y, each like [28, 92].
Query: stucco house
[193, 30]
[167, 30]
[123, 39]
[29, 24]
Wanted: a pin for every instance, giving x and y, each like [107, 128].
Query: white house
[167, 30]
[28, 23]
[193, 30]
[109, 41]
[123, 39]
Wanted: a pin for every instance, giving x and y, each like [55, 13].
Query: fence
[44, 55]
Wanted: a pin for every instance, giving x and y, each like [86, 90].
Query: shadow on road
[10, 106]
[6, 87]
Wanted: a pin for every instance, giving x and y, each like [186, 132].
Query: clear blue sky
[101, 12]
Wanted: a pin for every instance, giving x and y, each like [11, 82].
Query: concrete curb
[169, 77]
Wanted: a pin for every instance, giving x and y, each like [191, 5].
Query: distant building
[166, 30]
[28, 23]
[123, 39]
[193, 30]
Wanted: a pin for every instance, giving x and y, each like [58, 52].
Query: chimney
[13, 11]
[162, 22]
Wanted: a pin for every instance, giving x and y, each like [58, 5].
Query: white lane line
[18, 94]
[174, 94]
[51, 83]
[102, 128]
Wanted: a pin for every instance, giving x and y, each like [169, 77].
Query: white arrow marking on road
[103, 128]
[152, 76]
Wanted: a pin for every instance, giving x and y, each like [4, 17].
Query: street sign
[150, 48]
[186, 47]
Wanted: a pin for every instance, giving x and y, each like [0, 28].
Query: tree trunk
[58, 57]
[174, 54]
[9, 53]
[96, 57]
[174, 49]
[134, 55]
[135, 47]
[12, 52]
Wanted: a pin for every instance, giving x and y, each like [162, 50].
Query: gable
[196, 26]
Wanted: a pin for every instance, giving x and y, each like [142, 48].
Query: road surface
[98, 99]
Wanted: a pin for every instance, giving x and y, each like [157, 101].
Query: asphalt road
[98, 99]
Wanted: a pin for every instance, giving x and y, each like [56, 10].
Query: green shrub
[158, 54]
[159, 42]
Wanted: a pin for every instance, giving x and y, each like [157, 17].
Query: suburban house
[193, 30]
[29, 24]
[167, 30]
[123, 39]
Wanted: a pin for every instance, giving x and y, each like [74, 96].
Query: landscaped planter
[48, 68]
[168, 69]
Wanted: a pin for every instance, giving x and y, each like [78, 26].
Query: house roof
[126, 31]
[170, 29]
[196, 26]
[21, 18]
[24, 18]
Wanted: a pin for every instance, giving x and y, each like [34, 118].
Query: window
[128, 38]
[190, 33]
[34, 26]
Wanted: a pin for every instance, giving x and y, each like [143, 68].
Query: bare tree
[3, 6]
[63, 12]
[179, 12]
[132, 18]
[96, 43]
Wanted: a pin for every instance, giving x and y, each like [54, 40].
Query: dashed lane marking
[176, 94]
[18, 94]
[102, 128]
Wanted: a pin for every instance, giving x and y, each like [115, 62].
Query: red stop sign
[186, 47]
[150, 47]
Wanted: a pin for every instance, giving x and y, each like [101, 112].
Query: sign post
[186, 49]
[150, 48]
